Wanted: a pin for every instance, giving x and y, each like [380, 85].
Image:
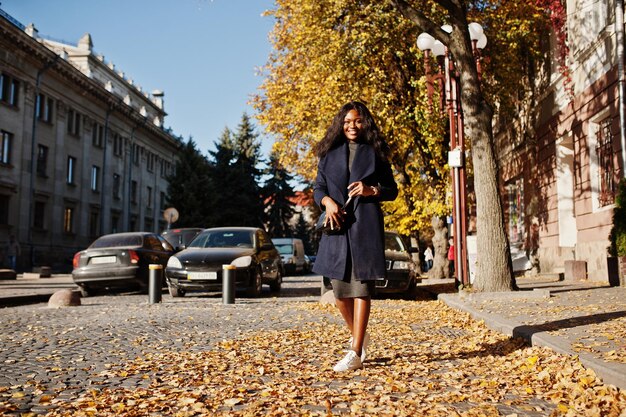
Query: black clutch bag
[322, 226]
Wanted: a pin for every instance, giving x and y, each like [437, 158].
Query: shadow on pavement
[529, 330]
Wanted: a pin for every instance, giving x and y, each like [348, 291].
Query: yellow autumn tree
[327, 52]
[332, 51]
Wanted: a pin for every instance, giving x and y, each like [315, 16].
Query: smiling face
[352, 125]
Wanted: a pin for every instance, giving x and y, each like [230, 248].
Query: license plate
[202, 275]
[104, 260]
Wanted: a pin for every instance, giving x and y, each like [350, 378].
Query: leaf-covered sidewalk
[425, 359]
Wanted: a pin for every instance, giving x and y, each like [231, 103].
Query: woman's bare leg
[361, 315]
[346, 308]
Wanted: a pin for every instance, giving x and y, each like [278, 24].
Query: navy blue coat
[366, 234]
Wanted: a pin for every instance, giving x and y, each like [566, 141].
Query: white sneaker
[366, 343]
[350, 362]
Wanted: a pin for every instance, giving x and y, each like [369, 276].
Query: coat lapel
[364, 163]
[337, 169]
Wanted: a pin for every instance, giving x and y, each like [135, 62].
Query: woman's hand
[358, 188]
[334, 213]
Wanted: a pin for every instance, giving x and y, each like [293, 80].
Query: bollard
[228, 284]
[155, 284]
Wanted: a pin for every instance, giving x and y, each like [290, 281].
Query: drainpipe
[104, 171]
[619, 39]
[129, 182]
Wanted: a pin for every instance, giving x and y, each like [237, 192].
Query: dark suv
[402, 274]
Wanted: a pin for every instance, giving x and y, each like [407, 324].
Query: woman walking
[353, 169]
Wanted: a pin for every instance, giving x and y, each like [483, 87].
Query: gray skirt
[349, 286]
[352, 288]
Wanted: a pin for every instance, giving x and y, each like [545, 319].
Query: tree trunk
[415, 256]
[440, 267]
[494, 269]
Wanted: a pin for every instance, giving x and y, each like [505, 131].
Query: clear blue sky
[204, 54]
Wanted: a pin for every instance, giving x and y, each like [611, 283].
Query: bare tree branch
[421, 20]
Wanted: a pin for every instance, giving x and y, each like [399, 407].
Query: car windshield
[223, 239]
[112, 241]
[393, 243]
[286, 249]
[178, 238]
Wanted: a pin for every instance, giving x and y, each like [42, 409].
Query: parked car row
[192, 259]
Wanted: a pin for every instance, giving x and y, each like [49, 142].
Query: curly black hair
[369, 133]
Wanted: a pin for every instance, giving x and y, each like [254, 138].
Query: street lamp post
[448, 83]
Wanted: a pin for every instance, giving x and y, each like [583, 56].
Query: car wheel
[85, 292]
[277, 283]
[256, 285]
[175, 291]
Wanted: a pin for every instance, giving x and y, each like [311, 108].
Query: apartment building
[84, 151]
[559, 182]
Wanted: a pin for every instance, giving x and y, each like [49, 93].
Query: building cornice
[36, 51]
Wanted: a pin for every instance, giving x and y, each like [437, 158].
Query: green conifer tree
[189, 186]
[277, 195]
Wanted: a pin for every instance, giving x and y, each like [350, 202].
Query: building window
[136, 150]
[9, 90]
[150, 163]
[73, 122]
[162, 202]
[43, 108]
[148, 224]
[149, 191]
[39, 215]
[97, 135]
[95, 178]
[5, 147]
[606, 168]
[115, 222]
[71, 169]
[94, 223]
[4, 209]
[133, 192]
[133, 223]
[164, 168]
[68, 220]
[117, 185]
[118, 145]
[42, 160]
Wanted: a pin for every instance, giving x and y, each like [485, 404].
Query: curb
[534, 338]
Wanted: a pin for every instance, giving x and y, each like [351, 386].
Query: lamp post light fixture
[448, 83]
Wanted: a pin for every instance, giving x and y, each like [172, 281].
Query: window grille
[606, 167]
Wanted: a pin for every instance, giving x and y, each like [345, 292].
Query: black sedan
[119, 261]
[401, 275]
[249, 249]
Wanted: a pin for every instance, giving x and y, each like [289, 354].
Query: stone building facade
[84, 150]
[559, 182]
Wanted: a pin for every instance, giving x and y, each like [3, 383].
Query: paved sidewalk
[23, 290]
[577, 318]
